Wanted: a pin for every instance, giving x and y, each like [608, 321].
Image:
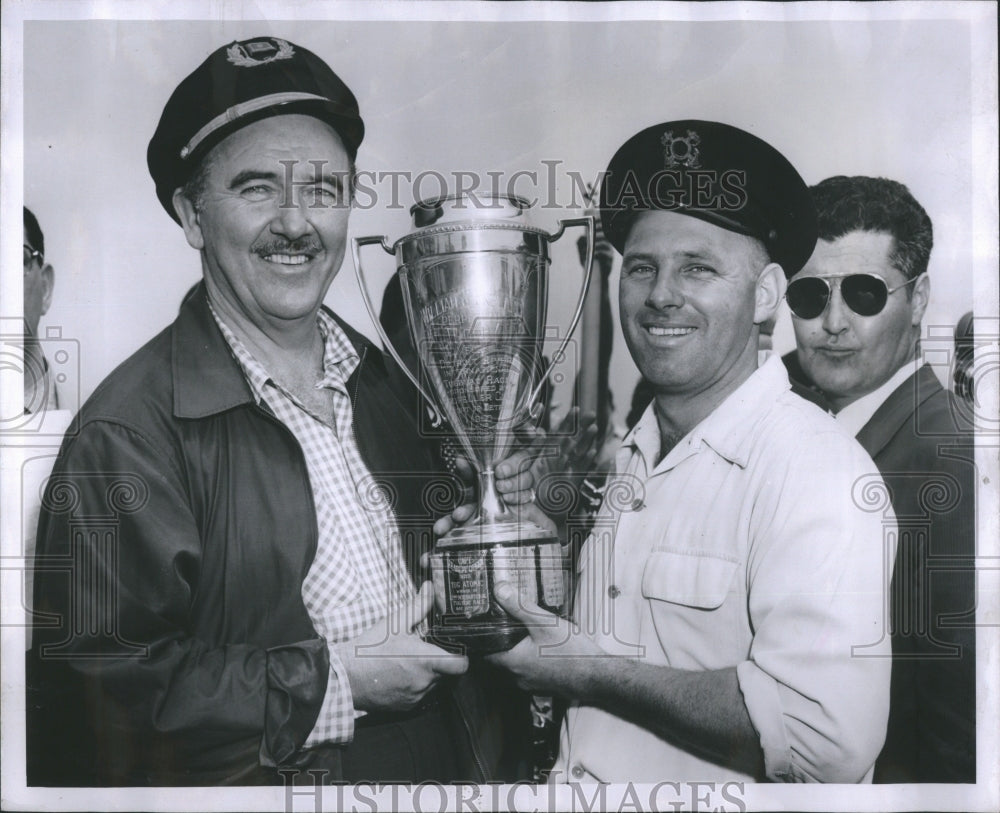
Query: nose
[664, 291]
[835, 317]
[291, 219]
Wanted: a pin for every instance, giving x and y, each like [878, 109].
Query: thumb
[464, 468]
[510, 599]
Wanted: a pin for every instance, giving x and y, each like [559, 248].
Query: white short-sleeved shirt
[763, 541]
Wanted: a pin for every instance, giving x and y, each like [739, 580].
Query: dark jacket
[802, 385]
[920, 438]
[174, 536]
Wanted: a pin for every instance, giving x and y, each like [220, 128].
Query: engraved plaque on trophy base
[466, 568]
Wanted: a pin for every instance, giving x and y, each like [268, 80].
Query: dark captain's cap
[239, 84]
[717, 173]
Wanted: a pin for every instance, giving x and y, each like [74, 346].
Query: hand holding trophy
[475, 281]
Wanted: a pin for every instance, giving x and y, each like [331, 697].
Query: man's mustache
[304, 245]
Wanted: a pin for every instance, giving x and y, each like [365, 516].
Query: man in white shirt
[728, 618]
[857, 306]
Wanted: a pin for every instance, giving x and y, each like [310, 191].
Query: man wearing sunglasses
[856, 308]
[39, 281]
[731, 576]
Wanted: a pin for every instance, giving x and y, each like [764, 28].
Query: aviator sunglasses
[30, 255]
[865, 294]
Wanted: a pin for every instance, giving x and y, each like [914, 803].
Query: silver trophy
[475, 283]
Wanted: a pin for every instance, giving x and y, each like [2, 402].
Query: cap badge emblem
[258, 52]
[681, 151]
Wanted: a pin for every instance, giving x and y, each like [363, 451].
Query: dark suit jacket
[924, 450]
[802, 385]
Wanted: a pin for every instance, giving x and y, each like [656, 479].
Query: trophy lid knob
[465, 207]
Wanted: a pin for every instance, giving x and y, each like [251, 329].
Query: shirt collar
[728, 430]
[340, 358]
[643, 438]
[47, 387]
[857, 413]
[206, 378]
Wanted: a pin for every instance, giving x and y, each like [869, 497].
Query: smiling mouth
[669, 331]
[288, 259]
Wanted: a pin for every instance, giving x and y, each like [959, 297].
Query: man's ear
[48, 285]
[771, 285]
[190, 222]
[921, 296]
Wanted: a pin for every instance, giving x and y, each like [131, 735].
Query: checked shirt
[358, 572]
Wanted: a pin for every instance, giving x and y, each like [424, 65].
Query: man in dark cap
[229, 545]
[728, 622]
[857, 307]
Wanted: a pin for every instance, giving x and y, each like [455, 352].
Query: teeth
[287, 259]
[670, 331]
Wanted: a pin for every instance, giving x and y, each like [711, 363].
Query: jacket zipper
[474, 745]
[266, 412]
[386, 553]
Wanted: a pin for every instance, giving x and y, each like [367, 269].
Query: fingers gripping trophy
[475, 282]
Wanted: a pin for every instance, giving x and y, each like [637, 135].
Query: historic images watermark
[306, 791]
[549, 186]
[57, 365]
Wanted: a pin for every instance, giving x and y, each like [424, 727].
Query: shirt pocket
[695, 619]
[688, 579]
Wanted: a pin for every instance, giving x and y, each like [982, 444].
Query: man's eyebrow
[335, 179]
[638, 255]
[251, 175]
[699, 255]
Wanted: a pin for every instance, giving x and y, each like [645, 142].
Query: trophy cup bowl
[474, 277]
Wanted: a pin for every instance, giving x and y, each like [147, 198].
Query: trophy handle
[356, 245]
[588, 223]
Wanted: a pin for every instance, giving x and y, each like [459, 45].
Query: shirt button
[638, 505]
[613, 591]
[578, 771]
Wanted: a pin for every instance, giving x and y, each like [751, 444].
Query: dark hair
[965, 348]
[194, 186]
[33, 232]
[845, 204]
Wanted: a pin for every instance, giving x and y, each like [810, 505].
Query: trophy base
[478, 638]
[469, 562]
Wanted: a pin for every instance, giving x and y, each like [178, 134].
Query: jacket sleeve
[119, 555]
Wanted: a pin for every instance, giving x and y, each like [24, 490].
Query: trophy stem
[491, 506]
